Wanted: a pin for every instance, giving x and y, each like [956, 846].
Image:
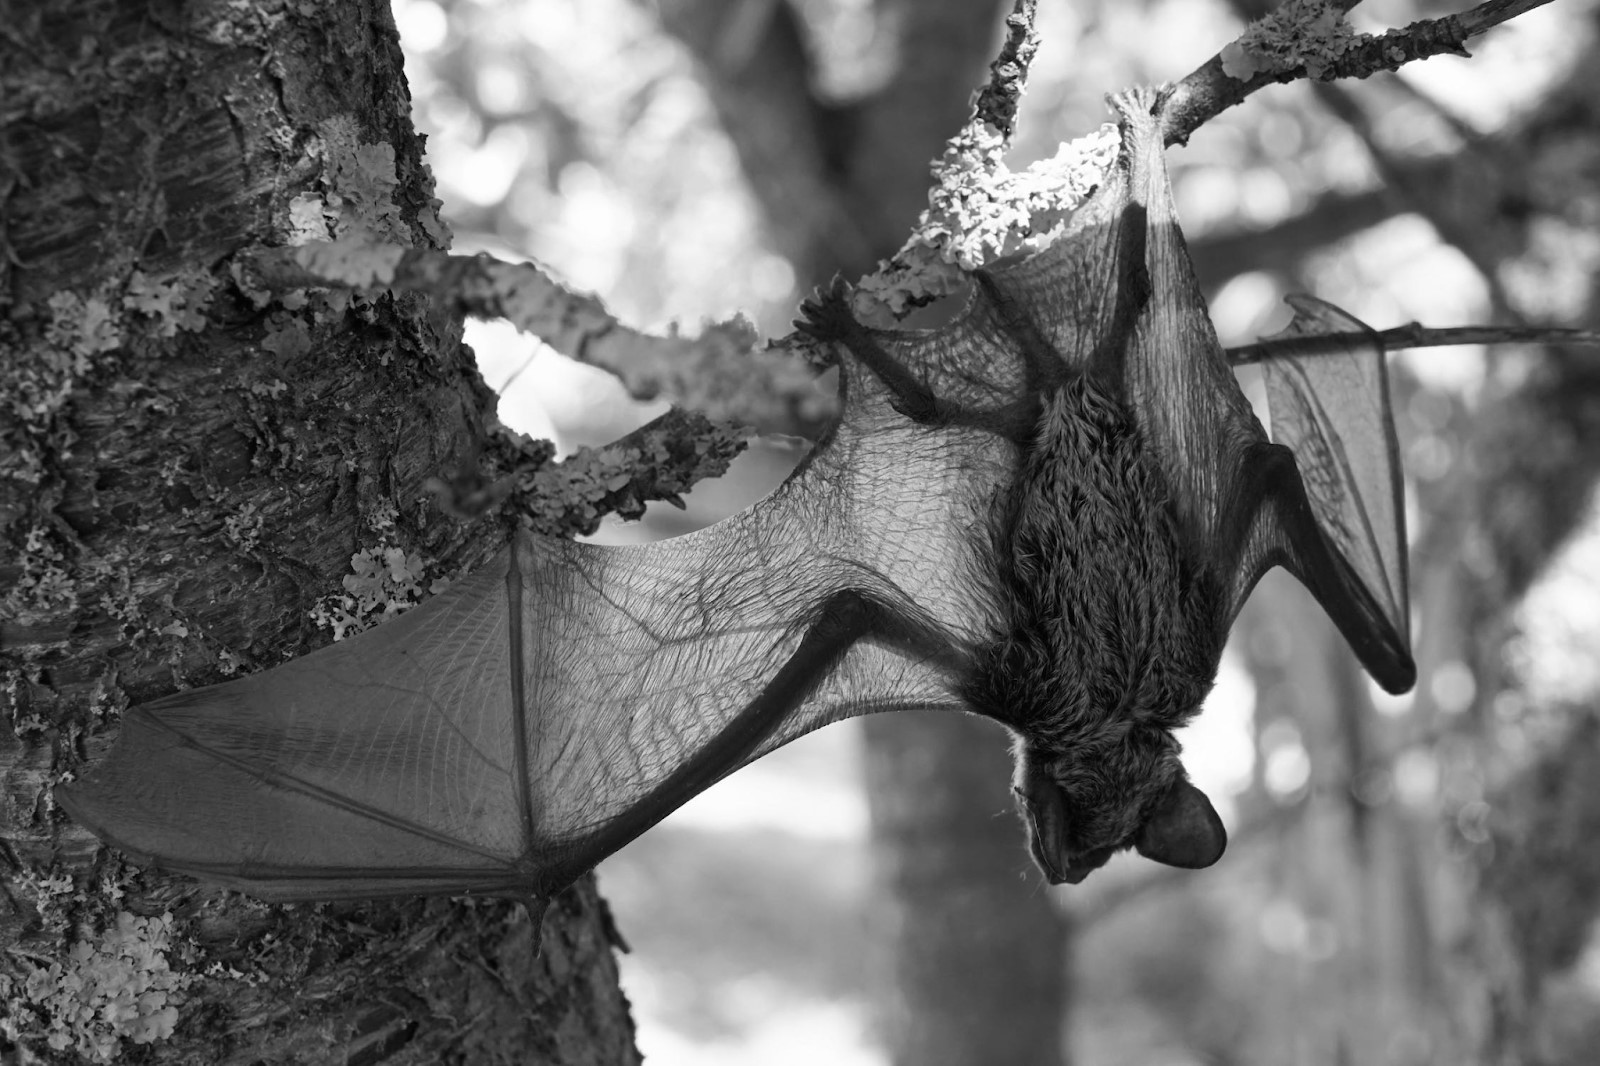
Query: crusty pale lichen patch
[979, 210]
[385, 580]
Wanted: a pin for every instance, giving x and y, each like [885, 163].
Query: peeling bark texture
[187, 466]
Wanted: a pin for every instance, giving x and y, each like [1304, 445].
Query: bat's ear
[1044, 809]
[1183, 830]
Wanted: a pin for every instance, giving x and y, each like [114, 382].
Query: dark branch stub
[1008, 75]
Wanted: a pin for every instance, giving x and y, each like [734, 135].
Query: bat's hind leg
[827, 317]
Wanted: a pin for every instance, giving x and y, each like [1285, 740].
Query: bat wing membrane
[1337, 519]
[1334, 413]
[367, 768]
[505, 736]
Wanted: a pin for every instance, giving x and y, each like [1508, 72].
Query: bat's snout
[1043, 811]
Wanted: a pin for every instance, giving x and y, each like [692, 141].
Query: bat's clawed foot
[1140, 103]
[826, 315]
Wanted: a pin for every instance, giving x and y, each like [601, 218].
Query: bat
[1047, 511]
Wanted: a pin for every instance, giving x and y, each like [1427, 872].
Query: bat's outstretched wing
[510, 733]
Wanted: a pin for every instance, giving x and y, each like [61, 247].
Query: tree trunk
[188, 467]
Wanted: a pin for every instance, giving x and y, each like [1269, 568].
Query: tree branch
[660, 460]
[979, 212]
[720, 373]
[1411, 335]
[1309, 38]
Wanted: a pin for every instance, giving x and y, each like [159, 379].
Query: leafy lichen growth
[1309, 34]
[172, 303]
[385, 581]
[82, 327]
[47, 354]
[43, 582]
[105, 989]
[52, 894]
[41, 374]
[360, 181]
[243, 527]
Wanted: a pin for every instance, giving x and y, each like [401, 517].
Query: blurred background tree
[1411, 879]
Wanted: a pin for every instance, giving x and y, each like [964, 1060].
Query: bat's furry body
[1048, 512]
[1109, 638]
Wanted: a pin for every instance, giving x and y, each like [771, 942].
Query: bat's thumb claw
[1138, 104]
[536, 906]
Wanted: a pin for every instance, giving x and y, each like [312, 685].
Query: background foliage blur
[1411, 880]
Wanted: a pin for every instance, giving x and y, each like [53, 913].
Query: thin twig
[1493, 12]
[1411, 335]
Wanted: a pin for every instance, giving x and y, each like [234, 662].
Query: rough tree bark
[188, 467]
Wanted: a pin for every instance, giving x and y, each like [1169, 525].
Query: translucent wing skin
[509, 733]
[1333, 412]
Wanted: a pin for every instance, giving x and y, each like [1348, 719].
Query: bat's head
[1080, 808]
